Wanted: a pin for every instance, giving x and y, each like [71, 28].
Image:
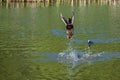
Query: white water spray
[71, 57]
[74, 57]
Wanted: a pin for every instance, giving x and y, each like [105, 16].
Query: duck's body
[69, 31]
[69, 25]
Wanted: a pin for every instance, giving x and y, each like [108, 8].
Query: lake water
[39, 29]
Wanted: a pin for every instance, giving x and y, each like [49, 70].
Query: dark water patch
[91, 58]
[78, 41]
[74, 58]
[83, 57]
[48, 56]
[97, 39]
[106, 40]
[57, 32]
[109, 40]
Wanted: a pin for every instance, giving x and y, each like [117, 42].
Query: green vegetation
[48, 3]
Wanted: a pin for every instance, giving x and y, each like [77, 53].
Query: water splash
[78, 57]
[71, 57]
[68, 57]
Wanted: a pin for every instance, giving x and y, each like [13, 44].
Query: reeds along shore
[87, 1]
[58, 2]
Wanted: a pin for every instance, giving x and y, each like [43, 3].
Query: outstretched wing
[72, 17]
[63, 19]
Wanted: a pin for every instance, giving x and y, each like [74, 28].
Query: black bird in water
[90, 43]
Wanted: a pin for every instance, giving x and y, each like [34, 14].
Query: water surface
[40, 30]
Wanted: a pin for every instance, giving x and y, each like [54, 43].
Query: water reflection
[46, 3]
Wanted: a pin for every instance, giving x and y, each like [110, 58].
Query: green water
[40, 29]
